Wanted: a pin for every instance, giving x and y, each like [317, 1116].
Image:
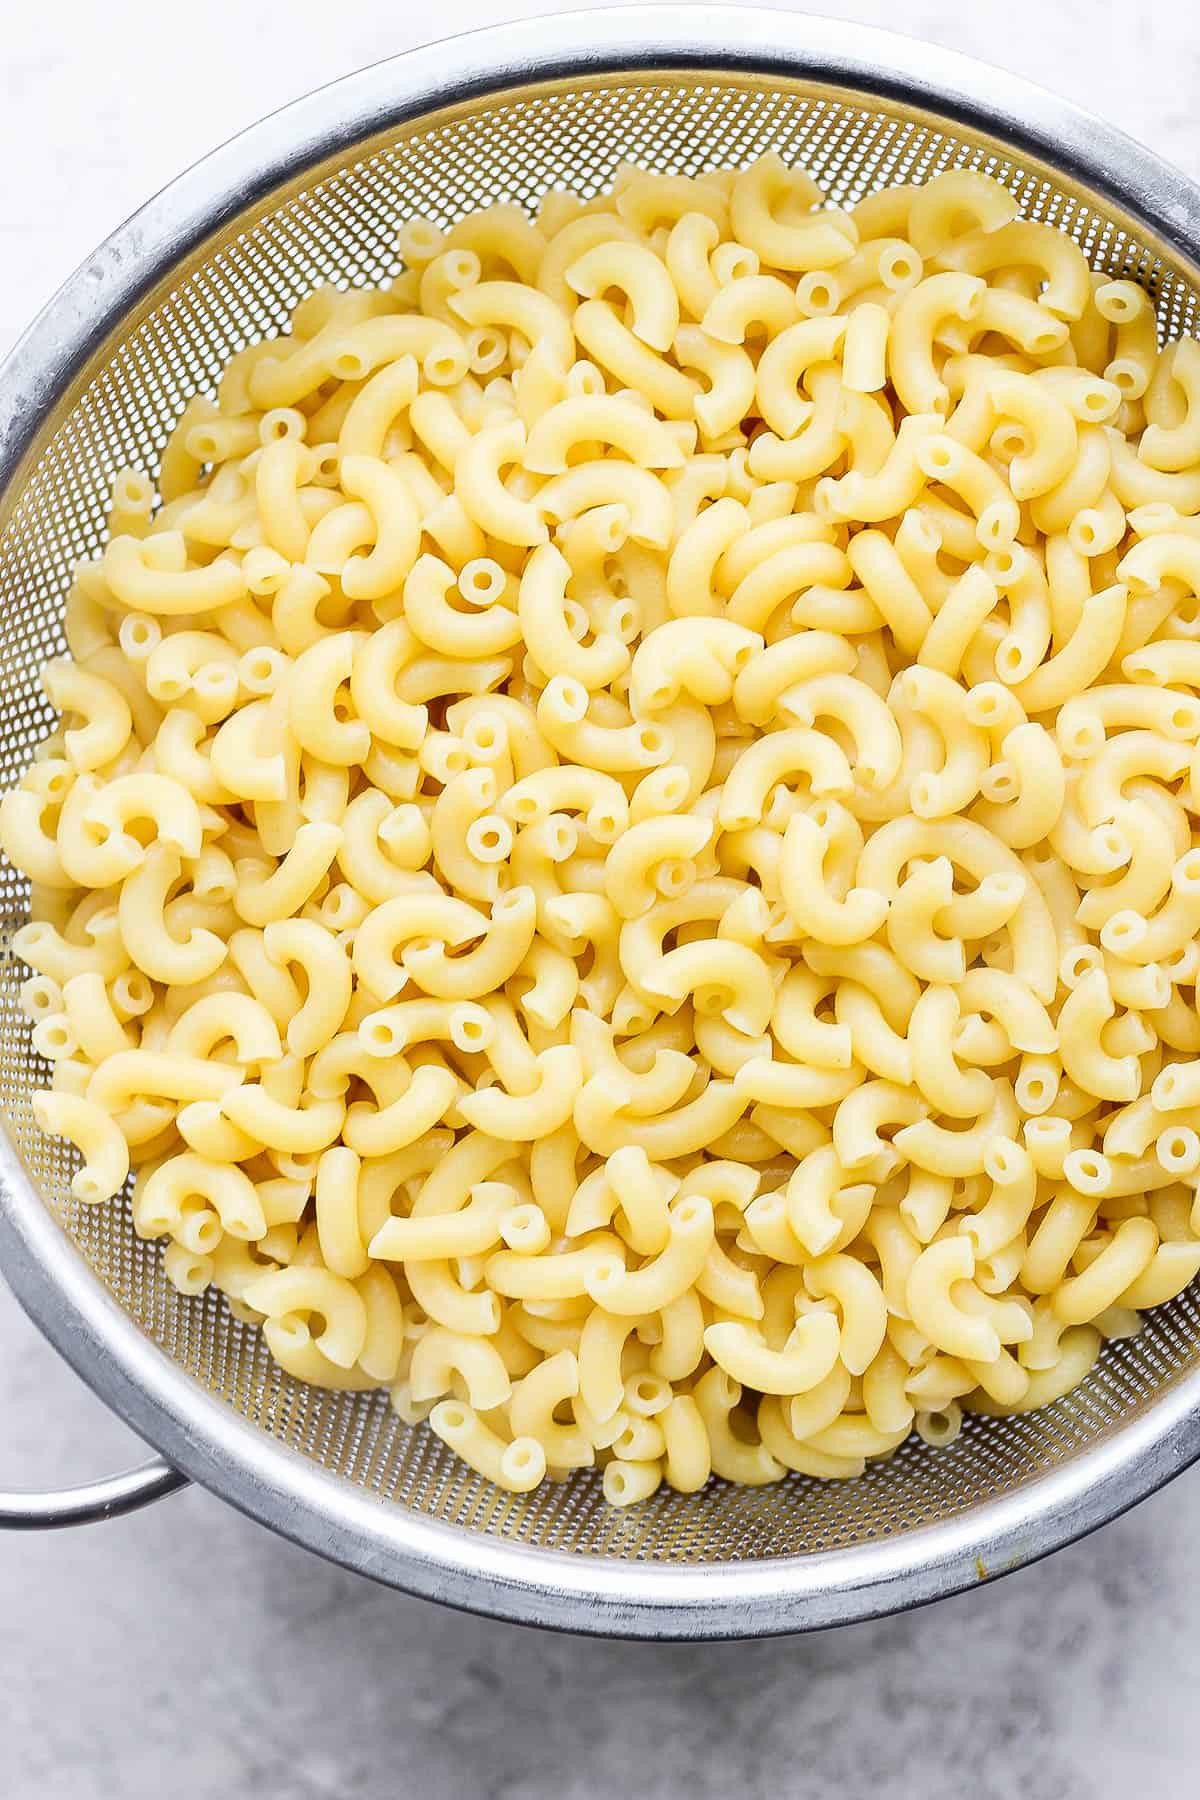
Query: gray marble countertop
[186, 1650]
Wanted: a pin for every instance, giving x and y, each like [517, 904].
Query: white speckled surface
[185, 1650]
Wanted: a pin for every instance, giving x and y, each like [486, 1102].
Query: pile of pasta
[621, 857]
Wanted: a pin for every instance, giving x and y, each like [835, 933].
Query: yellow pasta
[622, 859]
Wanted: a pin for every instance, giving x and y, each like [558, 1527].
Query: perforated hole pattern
[340, 224]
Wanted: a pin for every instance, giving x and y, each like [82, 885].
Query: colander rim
[206, 1439]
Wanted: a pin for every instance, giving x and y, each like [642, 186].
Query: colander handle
[106, 1499]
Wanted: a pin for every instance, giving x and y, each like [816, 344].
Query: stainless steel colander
[316, 193]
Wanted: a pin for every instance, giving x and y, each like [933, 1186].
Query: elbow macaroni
[619, 905]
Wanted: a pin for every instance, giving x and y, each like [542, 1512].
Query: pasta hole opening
[654, 742]
[481, 581]
[1010, 440]
[998, 523]
[1083, 739]
[817, 295]
[484, 737]
[132, 488]
[486, 351]
[1002, 1162]
[462, 268]
[419, 239]
[576, 620]
[1087, 1172]
[625, 622]
[140, 633]
[134, 991]
[1128, 377]
[712, 1000]
[1079, 962]
[998, 783]
[924, 791]
[469, 1032]
[86, 1187]
[349, 365]
[899, 267]
[735, 262]
[939, 1428]
[571, 698]
[445, 367]
[206, 1233]
[1116, 306]
[277, 427]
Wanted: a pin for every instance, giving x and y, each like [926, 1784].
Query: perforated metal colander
[316, 193]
